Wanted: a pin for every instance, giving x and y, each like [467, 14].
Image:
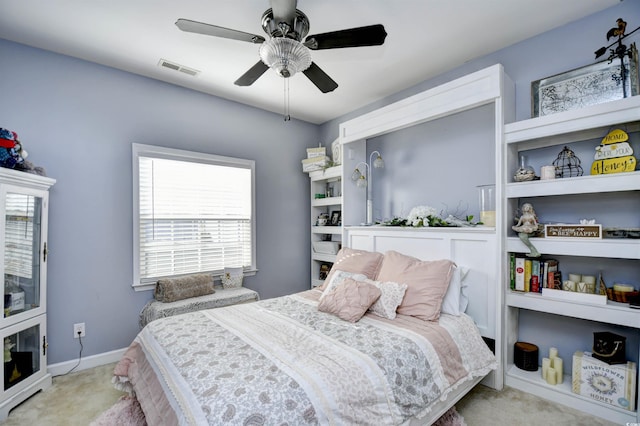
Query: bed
[306, 359]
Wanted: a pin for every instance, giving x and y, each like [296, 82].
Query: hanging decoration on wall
[621, 51]
[567, 164]
[601, 82]
[614, 154]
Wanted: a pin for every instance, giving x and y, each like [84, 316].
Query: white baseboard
[86, 363]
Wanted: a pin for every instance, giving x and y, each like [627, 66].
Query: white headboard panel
[472, 248]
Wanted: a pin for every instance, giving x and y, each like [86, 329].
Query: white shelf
[620, 248]
[333, 230]
[328, 174]
[323, 257]
[611, 313]
[584, 123]
[323, 202]
[531, 382]
[576, 185]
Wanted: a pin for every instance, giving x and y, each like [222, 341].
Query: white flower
[419, 215]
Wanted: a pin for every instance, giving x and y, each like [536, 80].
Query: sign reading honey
[614, 154]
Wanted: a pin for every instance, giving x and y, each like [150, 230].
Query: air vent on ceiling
[177, 67]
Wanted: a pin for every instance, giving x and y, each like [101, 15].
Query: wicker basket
[621, 296]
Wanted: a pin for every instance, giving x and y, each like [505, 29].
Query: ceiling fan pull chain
[287, 110]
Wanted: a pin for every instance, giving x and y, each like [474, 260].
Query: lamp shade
[286, 56]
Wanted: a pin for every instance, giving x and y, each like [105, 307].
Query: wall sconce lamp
[363, 180]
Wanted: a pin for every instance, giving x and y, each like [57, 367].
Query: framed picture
[324, 270]
[586, 86]
[336, 218]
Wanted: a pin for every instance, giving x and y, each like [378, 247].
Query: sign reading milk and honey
[614, 155]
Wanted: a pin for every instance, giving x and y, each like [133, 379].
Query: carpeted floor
[80, 398]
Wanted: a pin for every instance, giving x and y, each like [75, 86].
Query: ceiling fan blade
[372, 35]
[249, 77]
[284, 10]
[320, 78]
[216, 31]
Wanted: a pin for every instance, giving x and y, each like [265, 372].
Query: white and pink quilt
[281, 361]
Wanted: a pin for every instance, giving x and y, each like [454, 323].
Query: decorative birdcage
[567, 164]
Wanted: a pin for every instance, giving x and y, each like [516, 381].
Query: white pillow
[390, 298]
[455, 300]
[338, 278]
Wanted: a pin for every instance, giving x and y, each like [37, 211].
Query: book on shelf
[527, 274]
[549, 265]
[519, 274]
[512, 271]
[534, 285]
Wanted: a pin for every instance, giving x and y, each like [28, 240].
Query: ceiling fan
[285, 51]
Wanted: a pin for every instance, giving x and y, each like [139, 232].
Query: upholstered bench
[222, 297]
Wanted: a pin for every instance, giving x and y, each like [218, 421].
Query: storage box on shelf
[326, 199]
[553, 131]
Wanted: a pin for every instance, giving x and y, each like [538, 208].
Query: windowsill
[216, 279]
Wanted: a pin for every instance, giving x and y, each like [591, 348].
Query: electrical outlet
[78, 330]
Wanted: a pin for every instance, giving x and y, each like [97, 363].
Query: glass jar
[524, 172]
[487, 198]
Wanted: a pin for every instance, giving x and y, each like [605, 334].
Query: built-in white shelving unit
[558, 130]
[325, 182]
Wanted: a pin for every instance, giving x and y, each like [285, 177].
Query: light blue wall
[78, 120]
[553, 52]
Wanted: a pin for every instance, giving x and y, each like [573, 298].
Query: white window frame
[140, 150]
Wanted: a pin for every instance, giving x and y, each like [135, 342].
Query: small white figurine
[527, 224]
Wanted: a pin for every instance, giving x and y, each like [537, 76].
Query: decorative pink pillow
[355, 261]
[350, 300]
[427, 283]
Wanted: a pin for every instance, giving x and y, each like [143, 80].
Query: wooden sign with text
[573, 231]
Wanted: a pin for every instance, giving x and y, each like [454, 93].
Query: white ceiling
[425, 38]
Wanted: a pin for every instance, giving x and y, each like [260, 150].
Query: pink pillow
[350, 300]
[427, 283]
[355, 261]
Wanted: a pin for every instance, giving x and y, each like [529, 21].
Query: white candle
[589, 279]
[551, 376]
[557, 366]
[553, 353]
[546, 364]
[547, 172]
[575, 278]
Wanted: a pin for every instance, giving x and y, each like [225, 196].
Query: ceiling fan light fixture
[286, 56]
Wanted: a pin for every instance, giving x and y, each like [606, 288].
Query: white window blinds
[195, 214]
[19, 234]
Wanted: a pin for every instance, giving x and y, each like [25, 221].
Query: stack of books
[533, 274]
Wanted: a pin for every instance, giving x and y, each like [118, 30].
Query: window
[193, 213]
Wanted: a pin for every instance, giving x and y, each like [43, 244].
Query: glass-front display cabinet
[24, 253]
[25, 351]
[24, 200]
